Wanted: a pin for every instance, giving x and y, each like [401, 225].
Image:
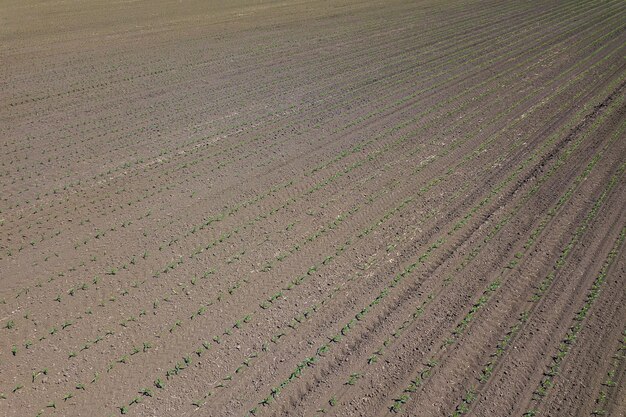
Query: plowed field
[307, 208]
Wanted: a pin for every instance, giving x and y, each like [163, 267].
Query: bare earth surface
[307, 208]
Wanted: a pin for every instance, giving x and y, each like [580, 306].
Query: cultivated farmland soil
[313, 208]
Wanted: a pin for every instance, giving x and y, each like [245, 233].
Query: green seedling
[176, 324]
[353, 378]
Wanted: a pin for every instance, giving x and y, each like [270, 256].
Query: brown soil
[353, 208]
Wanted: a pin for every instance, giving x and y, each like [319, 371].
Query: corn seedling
[353, 378]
